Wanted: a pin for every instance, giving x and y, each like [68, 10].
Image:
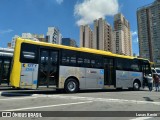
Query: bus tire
[71, 86]
[136, 85]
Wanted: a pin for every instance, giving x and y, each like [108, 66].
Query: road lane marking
[47, 106]
[123, 101]
[21, 98]
[141, 118]
[98, 99]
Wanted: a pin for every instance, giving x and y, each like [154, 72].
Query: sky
[35, 16]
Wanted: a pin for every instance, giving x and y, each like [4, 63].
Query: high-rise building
[148, 18]
[13, 42]
[54, 35]
[35, 37]
[68, 42]
[39, 37]
[122, 40]
[102, 35]
[30, 36]
[86, 36]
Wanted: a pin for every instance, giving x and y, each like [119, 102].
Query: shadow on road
[148, 99]
[26, 92]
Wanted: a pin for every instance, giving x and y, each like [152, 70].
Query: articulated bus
[5, 65]
[39, 65]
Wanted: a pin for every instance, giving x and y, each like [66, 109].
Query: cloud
[135, 36]
[59, 1]
[135, 40]
[134, 33]
[89, 10]
[6, 31]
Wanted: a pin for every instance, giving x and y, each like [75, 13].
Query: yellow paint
[16, 67]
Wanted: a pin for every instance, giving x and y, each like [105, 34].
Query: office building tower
[30, 36]
[86, 36]
[102, 35]
[54, 35]
[68, 42]
[148, 18]
[122, 40]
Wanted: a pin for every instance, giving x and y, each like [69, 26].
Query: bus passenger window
[73, 60]
[135, 67]
[93, 62]
[80, 62]
[65, 59]
[119, 66]
[87, 62]
[29, 53]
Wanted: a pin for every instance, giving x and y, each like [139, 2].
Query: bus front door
[48, 68]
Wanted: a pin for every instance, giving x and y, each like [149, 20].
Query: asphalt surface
[88, 100]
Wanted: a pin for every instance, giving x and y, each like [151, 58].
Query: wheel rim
[136, 85]
[71, 86]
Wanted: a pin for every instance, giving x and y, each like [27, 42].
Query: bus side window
[29, 53]
[93, 62]
[68, 58]
[122, 64]
[119, 65]
[80, 62]
[87, 62]
[65, 60]
[80, 59]
[135, 66]
[99, 62]
[73, 60]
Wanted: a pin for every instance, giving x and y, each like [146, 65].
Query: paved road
[97, 100]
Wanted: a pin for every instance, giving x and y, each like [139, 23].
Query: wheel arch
[137, 80]
[72, 77]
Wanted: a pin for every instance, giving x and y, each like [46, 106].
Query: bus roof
[81, 49]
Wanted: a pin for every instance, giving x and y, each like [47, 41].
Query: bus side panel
[89, 78]
[122, 79]
[94, 78]
[29, 75]
[125, 79]
[135, 75]
[66, 71]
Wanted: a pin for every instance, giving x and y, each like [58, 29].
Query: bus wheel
[136, 85]
[71, 86]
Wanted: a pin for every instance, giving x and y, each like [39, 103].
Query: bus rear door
[109, 76]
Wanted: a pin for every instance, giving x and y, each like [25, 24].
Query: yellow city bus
[39, 65]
